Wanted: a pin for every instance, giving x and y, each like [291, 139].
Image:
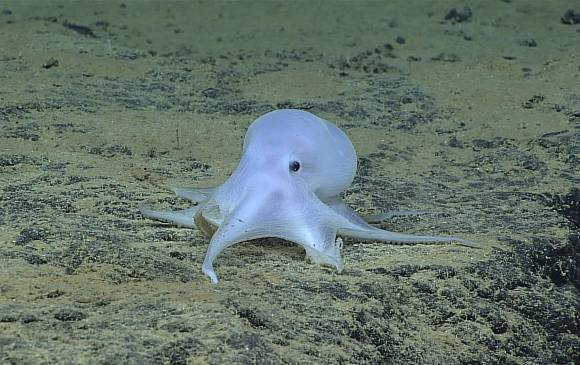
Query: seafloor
[468, 109]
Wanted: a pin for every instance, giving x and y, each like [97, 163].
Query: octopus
[288, 184]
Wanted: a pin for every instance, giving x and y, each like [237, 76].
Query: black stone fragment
[446, 57]
[69, 315]
[54, 294]
[29, 234]
[177, 255]
[536, 99]
[459, 15]
[50, 63]
[81, 29]
[109, 151]
[529, 43]
[404, 271]
[454, 142]
[571, 17]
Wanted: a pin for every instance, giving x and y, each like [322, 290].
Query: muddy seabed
[472, 113]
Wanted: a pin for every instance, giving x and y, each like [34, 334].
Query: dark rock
[81, 29]
[571, 17]
[446, 57]
[50, 63]
[536, 99]
[459, 15]
[69, 315]
[529, 43]
[30, 234]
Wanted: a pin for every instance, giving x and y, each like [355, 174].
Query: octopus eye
[294, 166]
